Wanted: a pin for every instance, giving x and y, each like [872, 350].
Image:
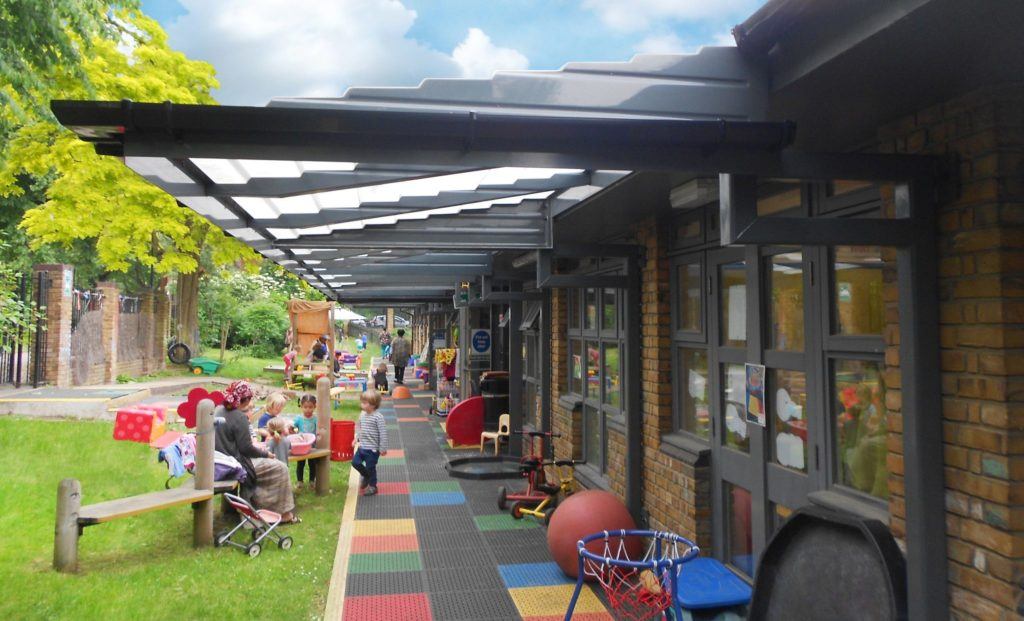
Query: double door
[761, 303]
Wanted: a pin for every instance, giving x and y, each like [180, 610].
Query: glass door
[759, 315]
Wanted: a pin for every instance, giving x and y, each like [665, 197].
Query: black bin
[494, 390]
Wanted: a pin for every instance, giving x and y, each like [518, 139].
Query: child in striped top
[371, 441]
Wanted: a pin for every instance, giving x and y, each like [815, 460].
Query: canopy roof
[397, 194]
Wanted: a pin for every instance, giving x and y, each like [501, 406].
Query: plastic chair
[496, 436]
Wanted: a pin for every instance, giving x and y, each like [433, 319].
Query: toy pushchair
[263, 523]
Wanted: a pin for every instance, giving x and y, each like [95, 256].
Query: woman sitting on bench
[267, 482]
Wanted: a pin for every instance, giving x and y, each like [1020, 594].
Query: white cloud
[662, 44]
[478, 57]
[638, 15]
[311, 48]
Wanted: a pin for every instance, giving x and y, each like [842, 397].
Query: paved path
[432, 547]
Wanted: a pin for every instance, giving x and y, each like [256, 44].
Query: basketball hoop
[636, 589]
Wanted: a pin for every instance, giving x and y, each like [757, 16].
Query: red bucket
[342, 434]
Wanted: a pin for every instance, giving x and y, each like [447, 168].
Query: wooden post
[202, 512]
[65, 534]
[323, 425]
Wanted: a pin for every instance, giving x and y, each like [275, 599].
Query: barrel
[342, 434]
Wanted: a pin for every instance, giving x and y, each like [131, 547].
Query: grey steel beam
[545, 356]
[456, 270]
[634, 396]
[438, 278]
[435, 237]
[740, 223]
[547, 280]
[407, 205]
[917, 277]
[313, 182]
[515, 368]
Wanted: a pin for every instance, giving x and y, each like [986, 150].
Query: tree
[132, 222]
[38, 38]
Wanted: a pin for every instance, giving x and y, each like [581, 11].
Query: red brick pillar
[146, 310]
[111, 314]
[59, 297]
[161, 324]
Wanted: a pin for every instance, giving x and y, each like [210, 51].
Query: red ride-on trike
[531, 467]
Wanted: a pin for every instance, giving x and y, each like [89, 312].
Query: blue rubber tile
[532, 575]
[427, 499]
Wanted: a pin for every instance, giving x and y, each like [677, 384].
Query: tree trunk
[188, 310]
[224, 329]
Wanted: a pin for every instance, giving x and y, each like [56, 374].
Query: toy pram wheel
[285, 543]
[220, 538]
[502, 498]
[517, 510]
[253, 550]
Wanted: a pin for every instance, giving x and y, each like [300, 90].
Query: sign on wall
[480, 343]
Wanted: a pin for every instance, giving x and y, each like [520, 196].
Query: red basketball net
[633, 594]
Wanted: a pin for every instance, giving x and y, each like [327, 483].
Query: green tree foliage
[40, 37]
[130, 219]
[262, 328]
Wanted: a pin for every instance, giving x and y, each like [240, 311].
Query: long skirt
[273, 485]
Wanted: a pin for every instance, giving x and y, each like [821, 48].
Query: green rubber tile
[384, 562]
[435, 486]
[503, 521]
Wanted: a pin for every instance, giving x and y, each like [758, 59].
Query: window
[861, 426]
[734, 423]
[788, 418]
[857, 290]
[786, 307]
[595, 365]
[688, 296]
[733, 320]
[694, 409]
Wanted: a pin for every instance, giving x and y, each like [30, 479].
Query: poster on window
[577, 367]
[755, 394]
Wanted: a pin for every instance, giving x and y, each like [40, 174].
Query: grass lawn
[144, 566]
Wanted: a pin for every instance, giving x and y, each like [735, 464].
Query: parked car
[379, 321]
[401, 322]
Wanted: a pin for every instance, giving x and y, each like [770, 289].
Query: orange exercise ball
[401, 392]
[585, 513]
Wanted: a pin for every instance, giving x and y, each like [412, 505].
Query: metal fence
[84, 302]
[23, 351]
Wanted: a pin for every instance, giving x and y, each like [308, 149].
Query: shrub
[262, 326]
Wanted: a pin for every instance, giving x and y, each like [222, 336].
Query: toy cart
[207, 366]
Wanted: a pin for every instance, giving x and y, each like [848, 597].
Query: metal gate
[23, 352]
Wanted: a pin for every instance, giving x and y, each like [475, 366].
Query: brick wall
[58, 324]
[981, 248]
[565, 421]
[677, 495]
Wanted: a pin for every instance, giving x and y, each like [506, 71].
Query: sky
[318, 48]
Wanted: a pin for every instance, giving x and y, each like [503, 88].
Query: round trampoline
[483, 467]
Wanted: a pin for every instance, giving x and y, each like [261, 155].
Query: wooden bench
[219, 487]
[137, 505]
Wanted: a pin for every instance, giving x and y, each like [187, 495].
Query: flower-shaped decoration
[187, 410]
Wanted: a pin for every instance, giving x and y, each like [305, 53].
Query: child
[275, 405]
[306, 424]
[380, 378]
[289, 364]
[277, 440]
[371, 442]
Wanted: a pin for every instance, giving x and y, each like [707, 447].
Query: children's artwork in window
[755, 394]
[735, 436]
[789, 424]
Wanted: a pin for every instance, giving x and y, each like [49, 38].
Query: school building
[737, 282]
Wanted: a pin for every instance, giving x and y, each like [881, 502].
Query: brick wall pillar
[981, 312]
[161, 326]
[146, 311]
[59, 298]
[111, 314]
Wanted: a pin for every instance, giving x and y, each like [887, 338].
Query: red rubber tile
[576, 616]
[403, 607]
[392, 453]
[385, 543]
[415, 419]
[392, 488]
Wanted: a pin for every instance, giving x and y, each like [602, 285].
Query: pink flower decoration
[187, 410]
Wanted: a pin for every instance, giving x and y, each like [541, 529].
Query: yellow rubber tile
[366, 528]
[553, 600]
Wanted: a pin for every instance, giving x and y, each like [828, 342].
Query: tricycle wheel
[502, 498]
[517, 510]
[253, 550]
[285, 543]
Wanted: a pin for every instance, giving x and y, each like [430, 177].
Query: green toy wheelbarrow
[201, 365]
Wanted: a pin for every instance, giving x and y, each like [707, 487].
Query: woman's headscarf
[236, 393]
